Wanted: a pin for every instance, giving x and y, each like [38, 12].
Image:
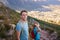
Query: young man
[22, 27]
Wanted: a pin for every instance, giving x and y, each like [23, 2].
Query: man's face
[24, 16]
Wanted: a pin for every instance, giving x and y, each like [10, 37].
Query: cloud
[54, 8]
[45, 6]
[48, 16]
[39, 0]
[58, 0]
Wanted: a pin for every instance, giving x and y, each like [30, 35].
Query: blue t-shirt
[37, 34]
[22, 27]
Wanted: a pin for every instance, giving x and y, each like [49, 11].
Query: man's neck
[23, 20]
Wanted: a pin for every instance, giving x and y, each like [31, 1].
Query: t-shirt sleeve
[18, 27]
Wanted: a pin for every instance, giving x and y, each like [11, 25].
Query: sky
[36, 5]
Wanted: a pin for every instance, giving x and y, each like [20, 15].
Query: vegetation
[9, 16]
[48, 26]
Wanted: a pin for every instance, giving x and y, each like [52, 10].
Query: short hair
[23, 11]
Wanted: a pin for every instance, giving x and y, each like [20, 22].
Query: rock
[13, 26]
[1, 21]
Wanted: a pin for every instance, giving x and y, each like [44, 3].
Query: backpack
[32, 35]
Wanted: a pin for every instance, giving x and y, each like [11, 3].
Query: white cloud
[39, 0]
[53, 7]
[45, 6]
[17, 11]
[58, 0]
[48, 16]
[35, 0]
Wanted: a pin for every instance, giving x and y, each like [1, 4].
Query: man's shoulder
[18, 22]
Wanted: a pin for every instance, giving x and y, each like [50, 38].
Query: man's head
[24, 15]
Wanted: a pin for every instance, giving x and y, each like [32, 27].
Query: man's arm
[18, 30]
[18, 35]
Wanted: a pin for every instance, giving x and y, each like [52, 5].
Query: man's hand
[18, 35]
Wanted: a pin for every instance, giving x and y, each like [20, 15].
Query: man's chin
[24, 19]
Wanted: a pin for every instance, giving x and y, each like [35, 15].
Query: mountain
[30, 4]
[8, 14]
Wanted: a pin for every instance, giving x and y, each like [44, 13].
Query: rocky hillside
[8, 17]
[8, 14]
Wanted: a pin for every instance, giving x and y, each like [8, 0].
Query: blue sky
[30, 4]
